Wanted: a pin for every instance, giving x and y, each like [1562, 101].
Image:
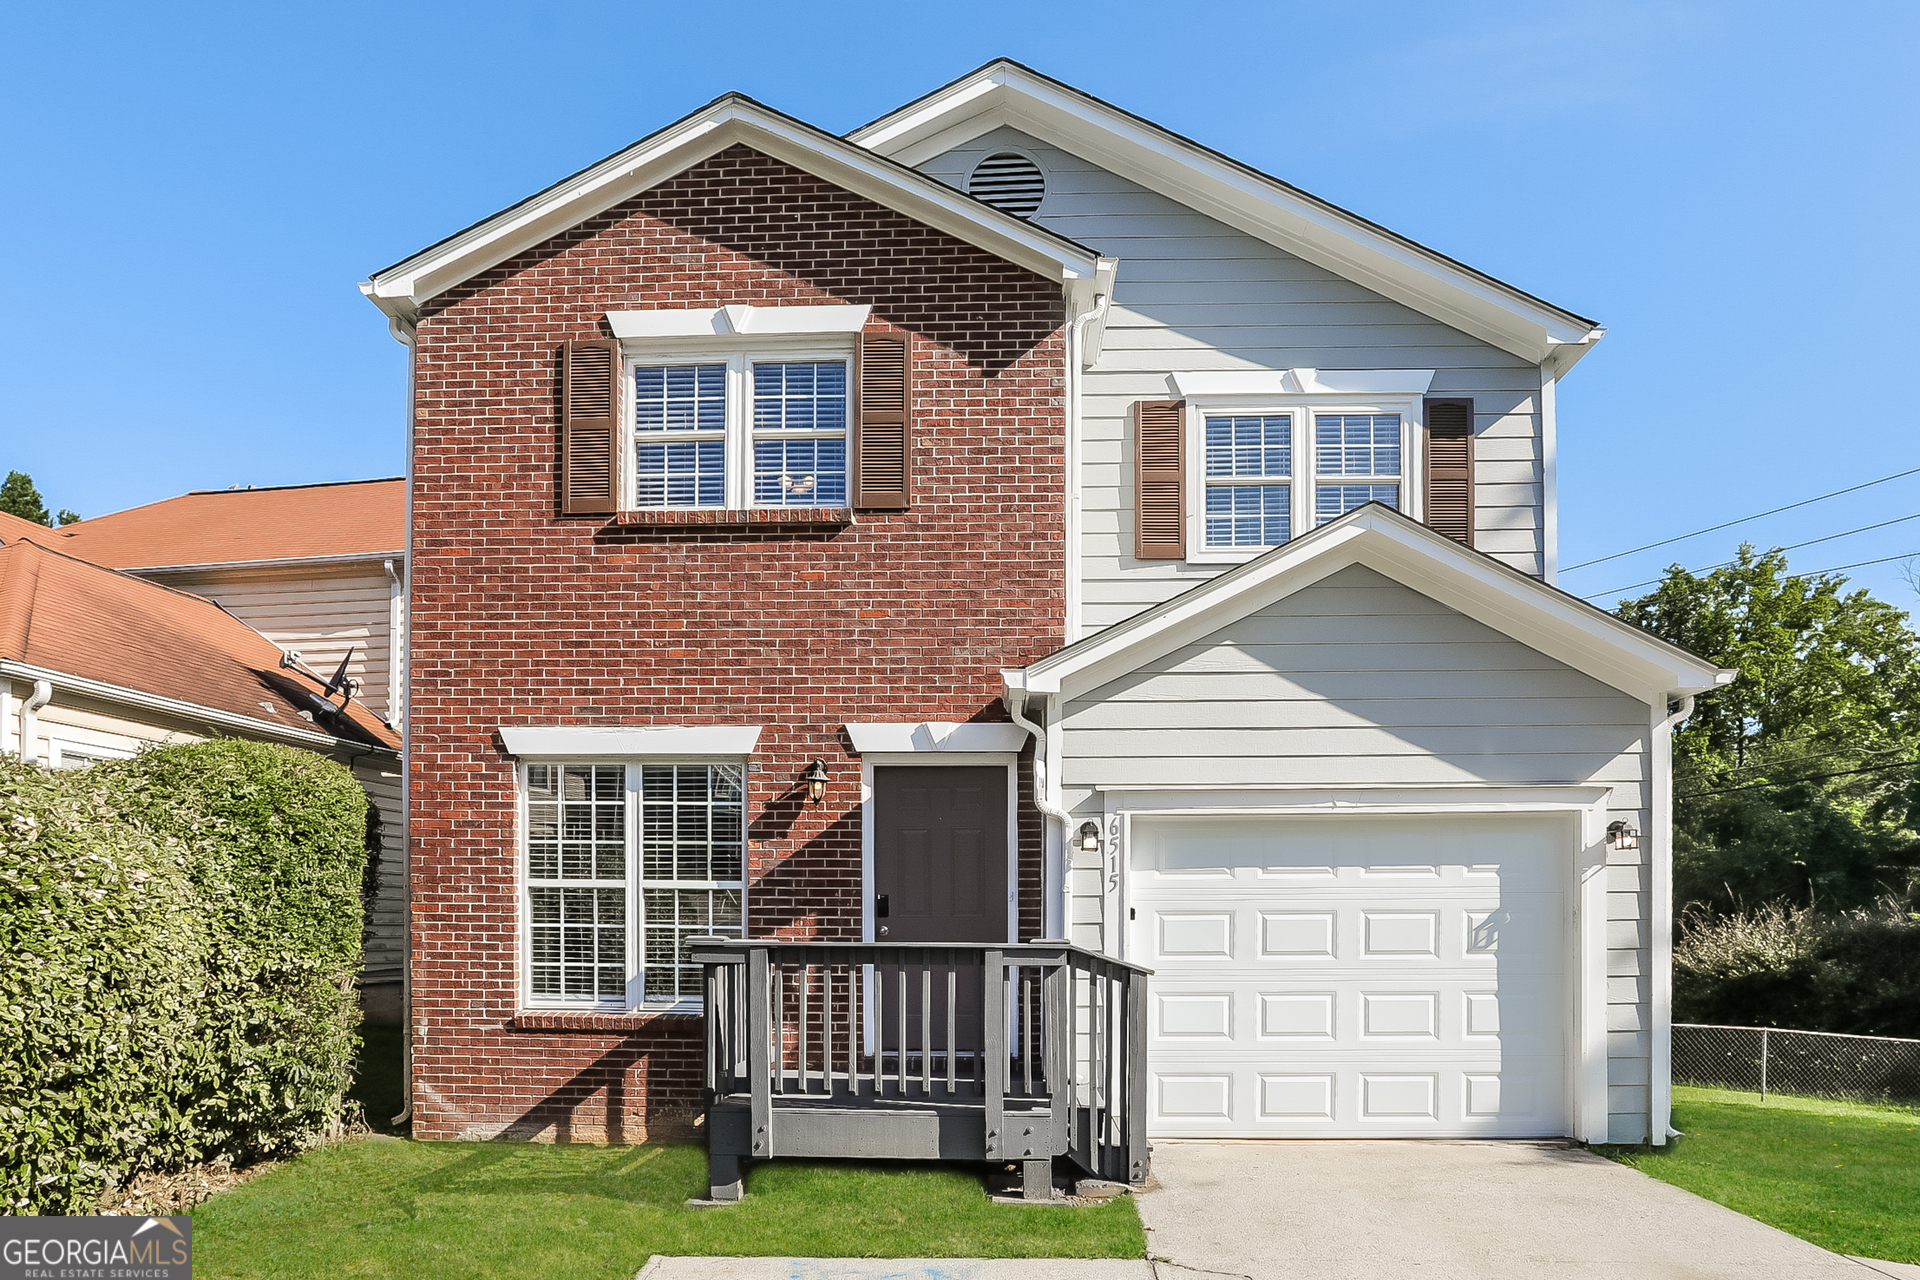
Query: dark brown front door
[940, 854]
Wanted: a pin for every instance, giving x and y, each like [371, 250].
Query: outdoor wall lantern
[1622, 836]
[1088, 837]
[816, 780]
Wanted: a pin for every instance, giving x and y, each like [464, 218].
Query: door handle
[880, 906]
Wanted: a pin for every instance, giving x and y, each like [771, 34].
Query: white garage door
[1355, 977]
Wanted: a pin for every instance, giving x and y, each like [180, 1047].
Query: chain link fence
[1821, 1064]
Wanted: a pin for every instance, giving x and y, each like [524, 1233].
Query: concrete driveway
[1451, 1211]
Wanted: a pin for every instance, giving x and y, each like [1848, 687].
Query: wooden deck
[1001, 1052]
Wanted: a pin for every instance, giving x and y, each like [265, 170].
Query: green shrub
[192, 921]
[1856, 972]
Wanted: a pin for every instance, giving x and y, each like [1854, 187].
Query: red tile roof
[221, 526]
[66, 615]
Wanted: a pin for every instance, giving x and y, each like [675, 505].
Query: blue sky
[194, 191]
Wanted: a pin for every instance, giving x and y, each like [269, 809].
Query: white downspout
[403, 332]
[1076, 362]
[396, 645]
[30, 721]
[1045, 798]
[1660, 945]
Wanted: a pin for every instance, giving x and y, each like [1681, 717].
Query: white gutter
[30, 721]
[175, 707]
[1046, 797]
[288, 562]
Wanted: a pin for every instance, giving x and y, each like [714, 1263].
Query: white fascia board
[1325, 235]
[1520, 607]
[587, 743]
[936, 736]
[402, 288]
[737, 320]
[289, 562]
[1252, 383]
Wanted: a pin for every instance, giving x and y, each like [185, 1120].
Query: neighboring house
[1013, 419]
[95, 663]
[318, 570]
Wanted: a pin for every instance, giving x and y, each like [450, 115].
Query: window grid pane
[680, 473]
[800, 473]
[1333, 500]
[1250, 446]
[800, 397]
[1357, 444]
[1248, 515]
[576, 831]
[680, 397]
[692, 867]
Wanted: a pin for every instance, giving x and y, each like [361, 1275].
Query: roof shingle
[225, 526]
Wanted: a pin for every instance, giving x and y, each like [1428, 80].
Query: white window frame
[738, 435]
[635, 883]
[1302, 484]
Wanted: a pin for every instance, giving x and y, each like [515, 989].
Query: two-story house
[1013, 520]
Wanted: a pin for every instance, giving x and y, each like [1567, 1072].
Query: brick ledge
[569, 1020]
[710, 517]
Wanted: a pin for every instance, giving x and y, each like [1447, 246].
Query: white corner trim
[1303, 382]
[737, 320]
[574, 742]
[936, 736]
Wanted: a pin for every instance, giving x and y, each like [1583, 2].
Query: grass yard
[1843, 1175]
[388, 1206]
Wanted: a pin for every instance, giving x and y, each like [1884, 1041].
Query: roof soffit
[1330, 237]
[1521, 608]
[400, 289]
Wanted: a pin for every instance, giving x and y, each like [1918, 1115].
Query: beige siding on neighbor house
[75, 729]
[1195, 294]
[321, 611]
[1358, 680]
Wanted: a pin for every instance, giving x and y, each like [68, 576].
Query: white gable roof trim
[1525, 609]
[401, 289]
[1005, 93]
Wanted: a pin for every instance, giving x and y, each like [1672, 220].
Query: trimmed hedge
[181, 933]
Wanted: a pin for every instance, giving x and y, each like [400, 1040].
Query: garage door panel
[1340, 977]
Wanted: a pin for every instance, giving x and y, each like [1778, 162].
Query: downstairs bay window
[623, 864]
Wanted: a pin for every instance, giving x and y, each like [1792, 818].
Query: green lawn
[388, 1206]
[1843, 1175]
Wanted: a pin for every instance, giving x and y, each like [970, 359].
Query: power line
[1815, 777]
[1779, 763]
[1742, 520]
[1812, 573]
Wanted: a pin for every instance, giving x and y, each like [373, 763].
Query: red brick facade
[522, 616]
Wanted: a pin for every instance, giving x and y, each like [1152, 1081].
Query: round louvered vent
[1009, 182]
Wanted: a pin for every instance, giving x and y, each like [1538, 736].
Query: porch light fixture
[1622, 836]
[816, 780]
[1088, 837]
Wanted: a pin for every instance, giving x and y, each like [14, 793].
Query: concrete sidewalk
[894, 1269]
[1330, 1210]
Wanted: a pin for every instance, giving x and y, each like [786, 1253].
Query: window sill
[595, 1019]
[719, 517]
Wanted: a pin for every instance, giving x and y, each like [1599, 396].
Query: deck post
[724, 1181]
[1036, 1179]
[759, 1042]
[1133, 1078]
[993, 1052]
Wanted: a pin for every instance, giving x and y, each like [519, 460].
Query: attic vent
[1009, 182]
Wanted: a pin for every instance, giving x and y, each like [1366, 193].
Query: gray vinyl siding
[1195, 294]
[1360, 680]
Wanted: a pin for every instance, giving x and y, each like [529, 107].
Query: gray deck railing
[960, 1051]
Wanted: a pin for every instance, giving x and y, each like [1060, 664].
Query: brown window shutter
[883, 426]
[1449, 467]
[1159, 480]
[589, 426]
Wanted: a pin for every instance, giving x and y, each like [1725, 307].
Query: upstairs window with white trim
[624, 864]
[741, 430]
[1249, 479]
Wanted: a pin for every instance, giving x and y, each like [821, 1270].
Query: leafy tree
[1791, 783]
[18, 497]
[68, 517]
